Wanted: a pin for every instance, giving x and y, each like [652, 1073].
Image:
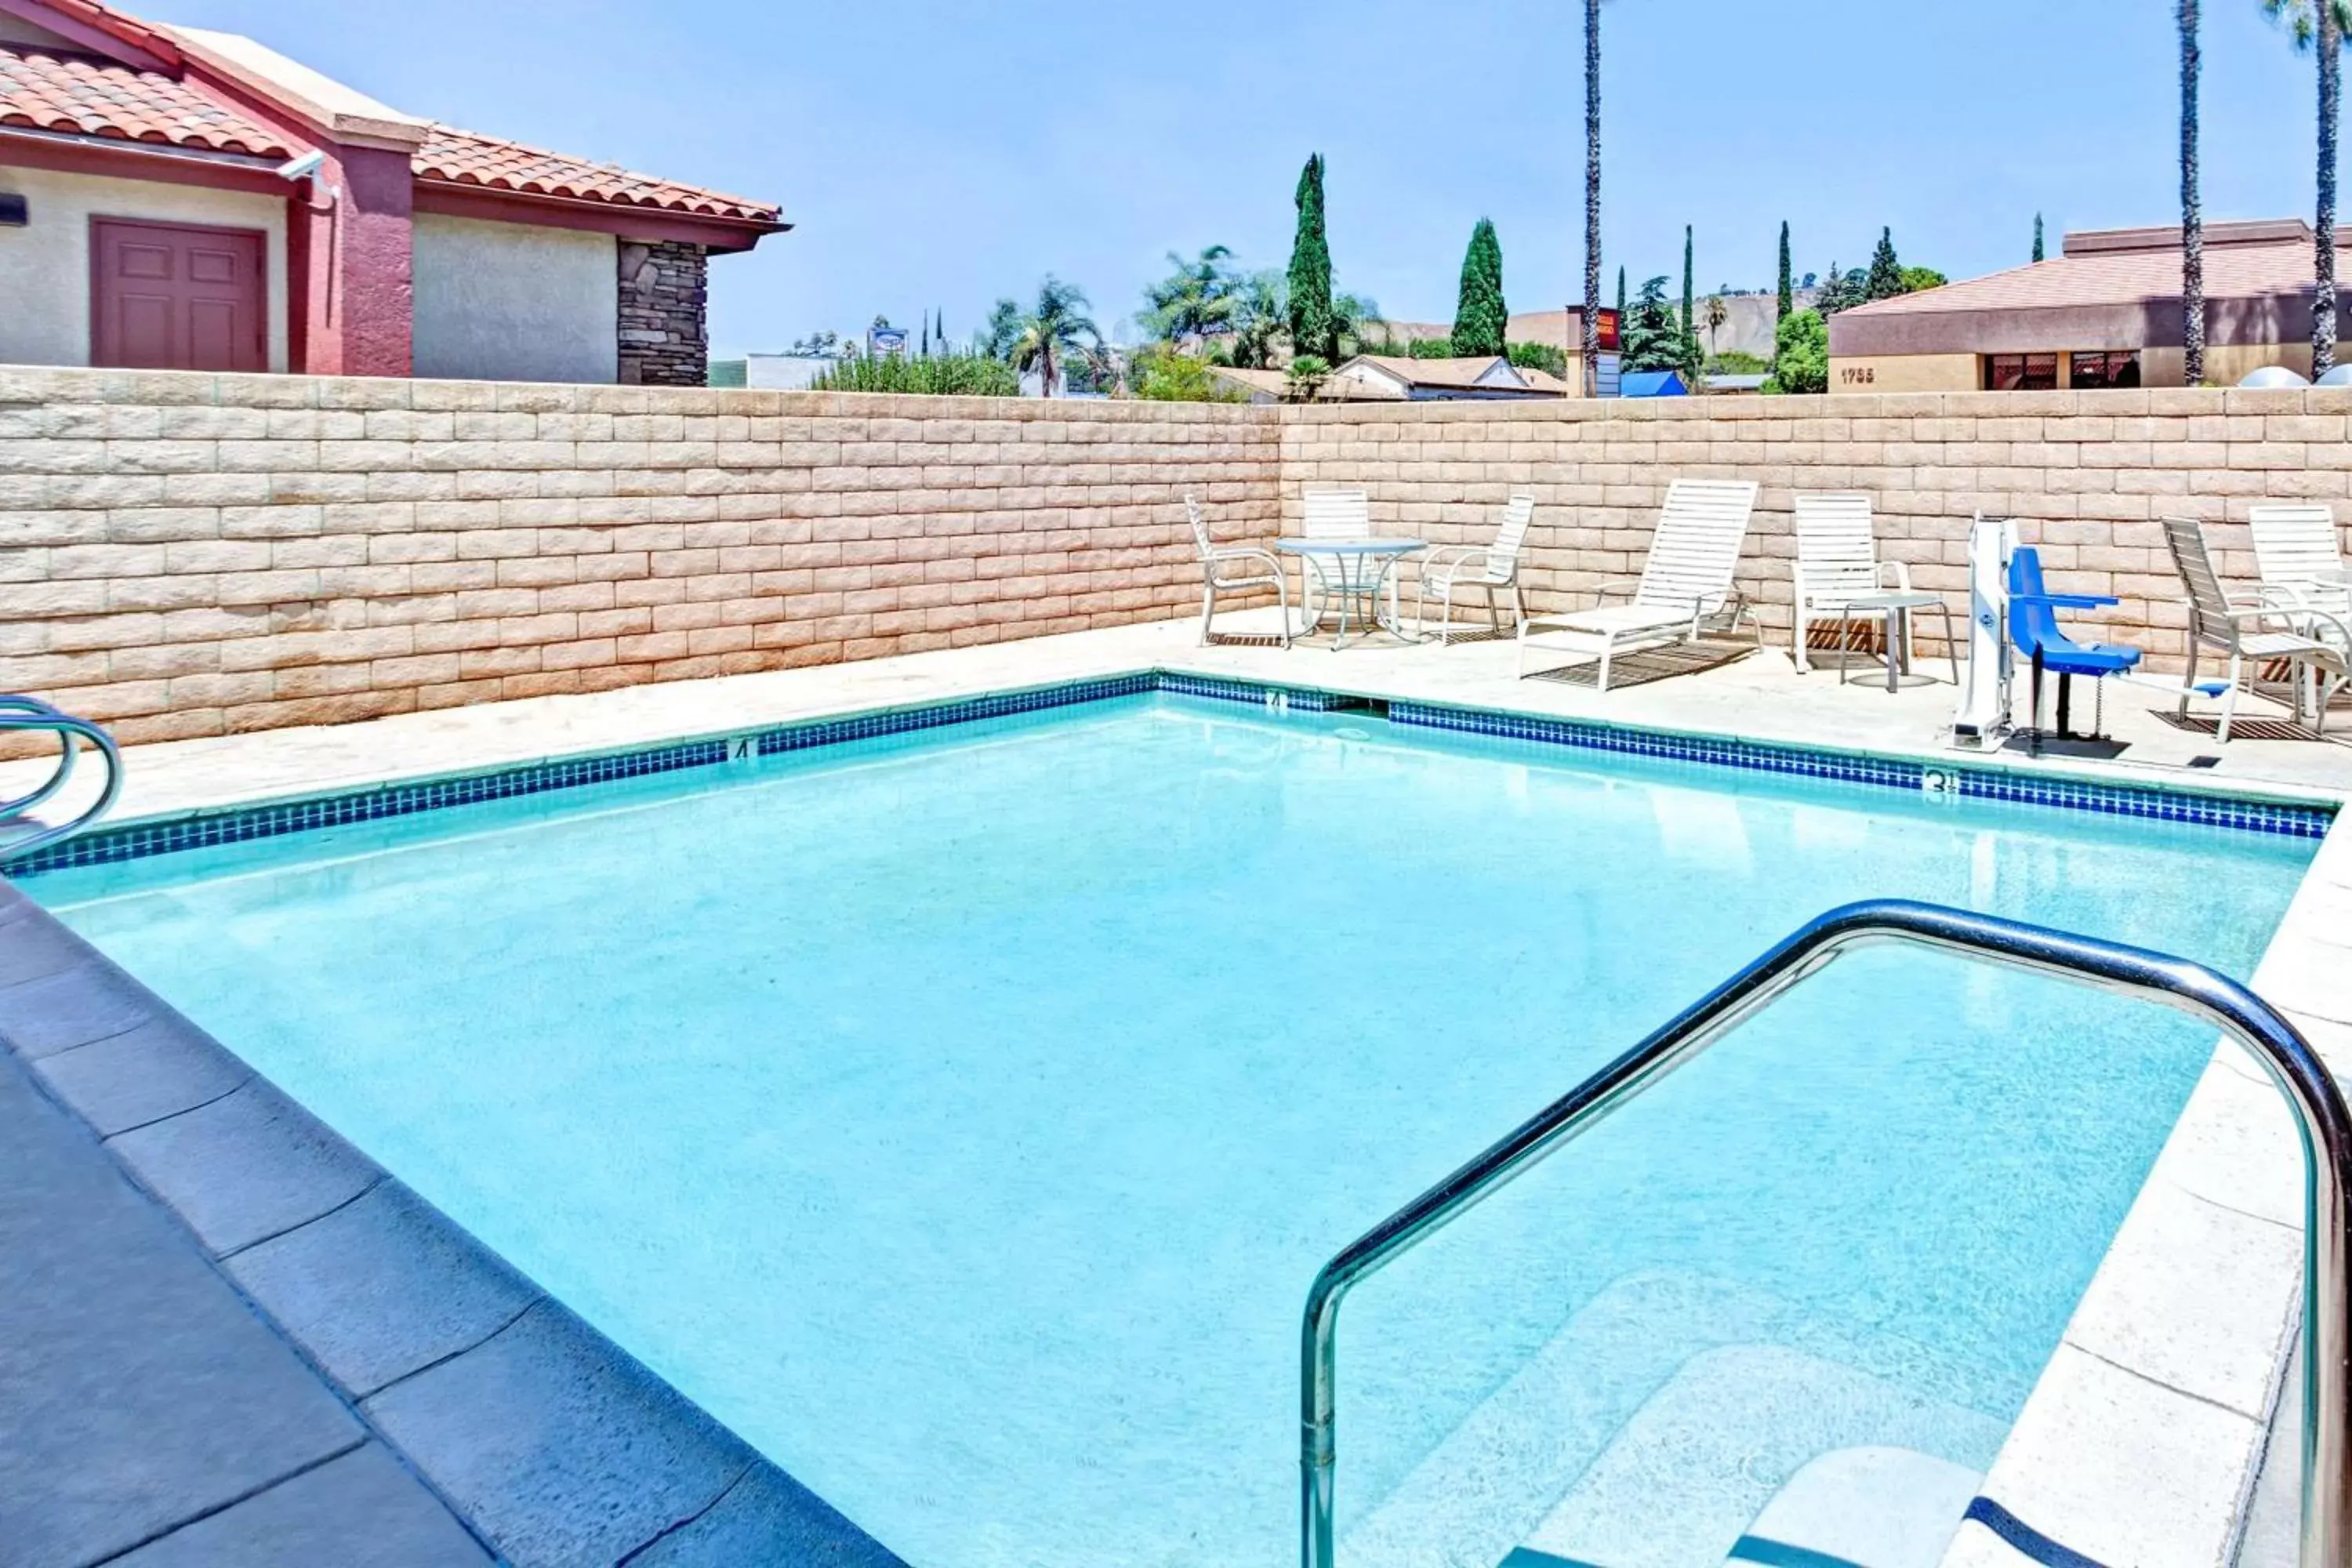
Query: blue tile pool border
[136, 840]
[2294, 819]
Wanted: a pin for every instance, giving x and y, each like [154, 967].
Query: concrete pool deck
[2149, 1429]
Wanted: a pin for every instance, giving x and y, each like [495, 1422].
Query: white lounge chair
[2254, 633]
[1225, 567]
[1837, 563]
[1684, 583]
[2295, 548]
[1491, 567]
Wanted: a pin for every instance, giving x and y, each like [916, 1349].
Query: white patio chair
[1684, 583]
[1837, 563]
[1489, 567]
[2252, 633]
[1225, 567]
[2295, 548]
[1334, 514]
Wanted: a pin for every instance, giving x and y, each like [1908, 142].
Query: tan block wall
[2088, 474]
[185, 555]
[190, 555]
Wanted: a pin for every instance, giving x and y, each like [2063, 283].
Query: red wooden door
[169, 296]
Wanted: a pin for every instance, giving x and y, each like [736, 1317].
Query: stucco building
[174, 199]
[2104, 312]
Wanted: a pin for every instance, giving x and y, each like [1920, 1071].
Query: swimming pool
[961, 1116]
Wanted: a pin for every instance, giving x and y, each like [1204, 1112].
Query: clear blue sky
[937, 154]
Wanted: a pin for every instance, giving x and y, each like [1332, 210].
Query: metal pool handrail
[17, 713]
[2321, 1120]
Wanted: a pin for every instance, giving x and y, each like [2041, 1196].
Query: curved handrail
[2321, 1120]
[31, 713]
[12, 703]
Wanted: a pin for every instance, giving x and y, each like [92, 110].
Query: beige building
[2105, 313]
[1562, 330]
[1383, 378]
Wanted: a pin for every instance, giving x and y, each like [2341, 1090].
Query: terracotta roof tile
[2113, 277]
[463, 158]
[53, 91]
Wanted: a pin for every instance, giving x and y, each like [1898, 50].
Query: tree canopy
[1197, 298]
[1313, 328]
[1886, 277]
[1056, 331]
[1800, 353]
[1481, 319]
[1655, 337]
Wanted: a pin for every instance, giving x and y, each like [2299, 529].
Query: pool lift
[2010, 611]
[1981, 721]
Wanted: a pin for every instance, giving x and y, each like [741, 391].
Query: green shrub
[1736, 361]
[1161, 374]
[1800, 362]
[1539, 356]
[940, 375]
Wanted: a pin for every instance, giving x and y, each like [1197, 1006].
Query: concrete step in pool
[1670, 1419]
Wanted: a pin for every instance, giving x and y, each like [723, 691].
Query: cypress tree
[1621, 303]
[1885, 279]
[1313, 330]
[1788, 285]
[1686, 279]
[2037, 236]
[1481, 319]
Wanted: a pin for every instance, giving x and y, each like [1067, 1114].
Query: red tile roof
[2113, 277]
[48, 88]
[463, 158]
[54, 90]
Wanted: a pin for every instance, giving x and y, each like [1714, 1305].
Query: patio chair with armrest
[1837, 564]
[2254, 632]
[2033, 627]
[2295, 548]
[1488, 567]
[1227, 567]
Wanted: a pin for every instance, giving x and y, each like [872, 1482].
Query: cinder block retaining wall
[2089, 476]
[185, 555]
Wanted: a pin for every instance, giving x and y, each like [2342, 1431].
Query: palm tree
[1054, 330]
[2320, 26]
[1717, 313]
[1197, 298]
[1593, 200]
[1262, 307]
[2192, 212]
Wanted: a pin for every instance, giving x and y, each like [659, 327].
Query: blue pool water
[960, 1117]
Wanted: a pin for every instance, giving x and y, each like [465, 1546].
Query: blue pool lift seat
[2033, 627]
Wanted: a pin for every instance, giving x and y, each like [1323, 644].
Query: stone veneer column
[664, 338]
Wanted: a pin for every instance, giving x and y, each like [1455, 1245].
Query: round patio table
[1353, 567]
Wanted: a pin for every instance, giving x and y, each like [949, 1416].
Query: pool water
[960, 1117]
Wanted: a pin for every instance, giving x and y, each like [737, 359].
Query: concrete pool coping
[388, 1391]
[2144, 1438]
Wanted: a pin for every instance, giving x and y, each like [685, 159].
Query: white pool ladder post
[2321, 1119]
[20, 713]
[1981, 721]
